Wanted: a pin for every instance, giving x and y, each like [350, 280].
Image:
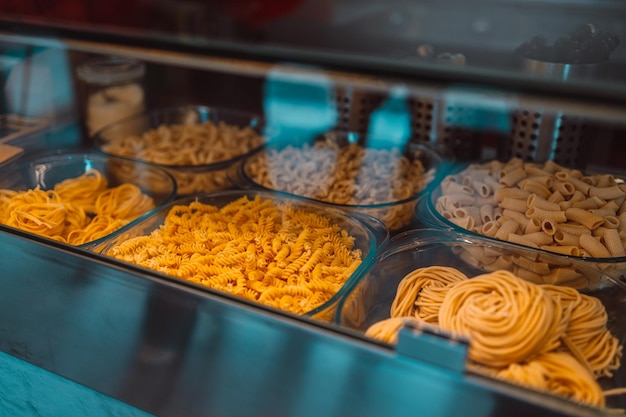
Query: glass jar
[113, 90]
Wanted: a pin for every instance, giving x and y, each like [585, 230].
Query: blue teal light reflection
[298, 107]
[390, 125]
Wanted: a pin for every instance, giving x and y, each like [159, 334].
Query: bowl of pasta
[196, 144]
[80, 198]
[351, 175]
[564, 339]
[543, 206]
[258, 247]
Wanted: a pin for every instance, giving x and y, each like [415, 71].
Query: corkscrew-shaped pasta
[541, 336]
[269, 252]
[76, 211]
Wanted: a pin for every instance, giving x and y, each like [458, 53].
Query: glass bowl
[196, 144]
[339, 172]
[368, 235]
[46, 172]
[371, 299]
[428, 211]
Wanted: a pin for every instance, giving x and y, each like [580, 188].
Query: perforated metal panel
[538, 137]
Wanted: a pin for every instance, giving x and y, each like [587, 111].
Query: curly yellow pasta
[272, 253]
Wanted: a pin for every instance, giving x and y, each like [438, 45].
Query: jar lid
[110, 70]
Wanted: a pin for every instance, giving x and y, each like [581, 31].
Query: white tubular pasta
[446, 214]
[594, 247]
[588, 204]
[535, 201]
[497, 213]
[482, 201]
[486, 213]
[584, 217]
[578, 184]
[521, 240]
[577, 197]
[556, 197]
[552, 167]
[564, 250]
[510, 193]
[565, 239]
[540, 268]
[610, 205]
[452, 187]
[613, 242]
[561, 276]
[535, 171]
[603, 212]
[565, 188]
[535, 187]
[539, 238]
[500, 262]
[527, 275]
[539, 205]
[605, 180]
[574, 229]
[548, 227]
[472, 212]
[555, 216]
[490, 229]
[611, 222]
[458, 200]
[481, 188]
[479, 253]
[532, 226]
[514, 204]
[493, 183]
[470, 259]
[545, 180]
[465, 222]
[508, 227]
[517, 216]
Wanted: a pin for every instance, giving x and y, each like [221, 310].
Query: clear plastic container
[427, 211]
[205, 175]
[395, 213]
[113, 89]
[371, 299]
[47, 171]
[369, 234]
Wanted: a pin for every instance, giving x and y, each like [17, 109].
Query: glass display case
[365, 110]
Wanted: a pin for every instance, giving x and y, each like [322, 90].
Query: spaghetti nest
[261, 250]
[541, 336]
[76, 211]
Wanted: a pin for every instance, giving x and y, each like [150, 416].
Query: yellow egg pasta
[544, 337]
[258, 249]
[76, 211]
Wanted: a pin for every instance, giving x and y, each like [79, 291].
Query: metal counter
[172, 350]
